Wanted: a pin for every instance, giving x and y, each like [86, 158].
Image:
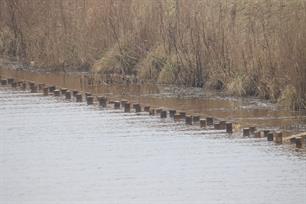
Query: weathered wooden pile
[205, 123]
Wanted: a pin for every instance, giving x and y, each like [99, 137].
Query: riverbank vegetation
[244, 47]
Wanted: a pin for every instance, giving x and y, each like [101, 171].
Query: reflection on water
[245, 112]
[56, 151]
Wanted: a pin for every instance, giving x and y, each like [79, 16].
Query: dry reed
[243, 46]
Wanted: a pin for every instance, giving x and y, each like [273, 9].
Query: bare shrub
[245, 47]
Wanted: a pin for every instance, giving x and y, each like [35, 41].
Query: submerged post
[123, 102]
[63, 91]
[188, 120]
[116, 104]
[56, 92]
[127, 107]
[68, 95]
[102, 101]
[152, 112]
[270, 136]
[137, 107]
[298, 142]
[246, 132]
[46, 91]
[3, 82]
[222, 125]
[89, 100]
[87, 94]
[279, 137]
[203, 123]
[182, 114]
[163, 114]
[257, 134]
[10, 80]
[266, 132]
[252, 130]
[210, 121]
[41, 86]
[217, 126]
[177, 117]
[75, 92]
[229, 127]
[158, 110]
[78, 97]
[196, 118]
[14, 85]
[24, 86]
[146, 109]
[52, 88]
[172, 113]
[34, 89]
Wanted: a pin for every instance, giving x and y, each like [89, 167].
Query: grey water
[57, 151]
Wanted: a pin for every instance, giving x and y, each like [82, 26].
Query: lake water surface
[57, 151]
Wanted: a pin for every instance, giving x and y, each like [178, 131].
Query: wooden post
[246, 132]
[102, 101]
[63, 91]
[146, 109]
[203, 123]
[79, 97]
[10, 80]
[19, 83]
[252, 130]
[52, 88]
[217, 126]
[278, 137]
[152, 112]
[116, 104]
[196, 118]
[210, 121]
[89, 100]
[123, 102]
[24, 86]
[182, 114]
[127, 107]
[41, 86]
[75, 92]
[3, 82]
[87, 94]
[172, 113]
[222, 125]
[14, 85]
[57, 92]
[298, 142]
[31, 84]
[266, 132]
[229, 127]
[188, 120]
[68, 95]
[257, 134]
[46, 91]
[270, 136]
[137, 107]
[158, 110]
[163, 114]
[34, 89]
[177, 117]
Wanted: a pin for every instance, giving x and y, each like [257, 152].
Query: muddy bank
[244, 112]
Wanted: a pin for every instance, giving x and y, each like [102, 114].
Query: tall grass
[246, 47]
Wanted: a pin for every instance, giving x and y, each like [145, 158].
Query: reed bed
[244, 47]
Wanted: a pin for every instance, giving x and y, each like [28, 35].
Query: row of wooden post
[126, 105]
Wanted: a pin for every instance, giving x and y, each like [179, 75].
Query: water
[244, 112]
[57, 151]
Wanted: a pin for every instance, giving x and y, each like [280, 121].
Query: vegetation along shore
[245, 48]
